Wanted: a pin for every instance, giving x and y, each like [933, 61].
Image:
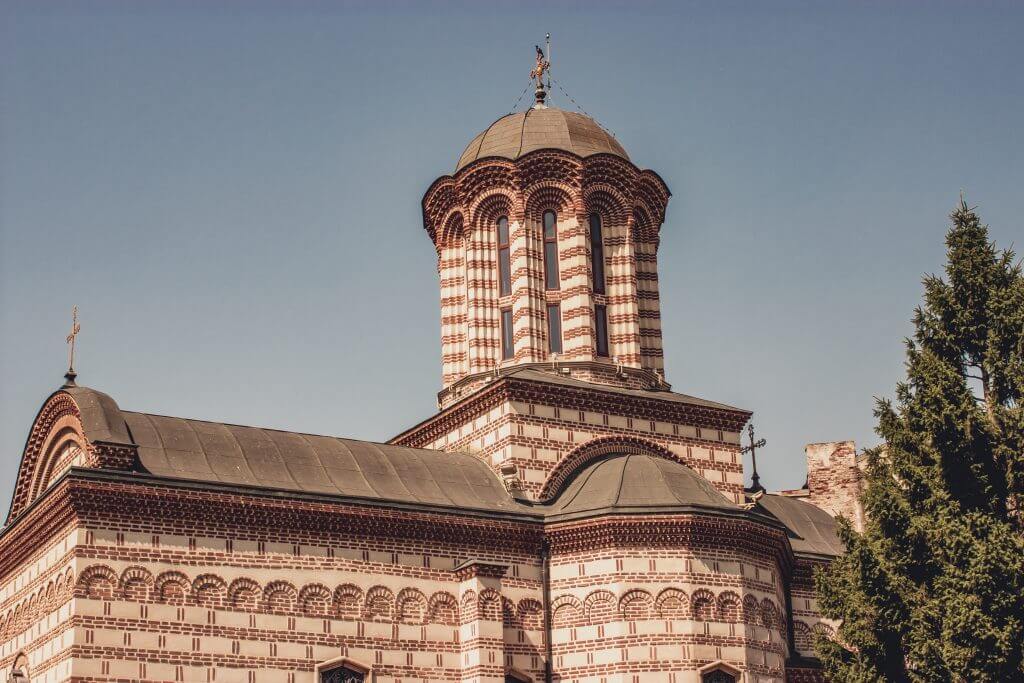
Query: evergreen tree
[933, 589]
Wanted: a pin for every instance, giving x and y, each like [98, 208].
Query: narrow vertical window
[550, 250]
[555, 328]
[601, 325]
[506, 333]
[597, 253]
[504, 265]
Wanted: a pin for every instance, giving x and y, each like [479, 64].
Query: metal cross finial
[543, 64]
[755, 481]
[75, 329]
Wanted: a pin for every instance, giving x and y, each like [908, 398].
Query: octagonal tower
[547, 241]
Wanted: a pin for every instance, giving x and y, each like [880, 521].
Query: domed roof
[624, 482]
[523, 132]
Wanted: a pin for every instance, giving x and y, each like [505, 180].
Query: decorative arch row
[602, 606]
[521, 180]
[34, 607]
[345, 601]
[804, 635]
[481, 214]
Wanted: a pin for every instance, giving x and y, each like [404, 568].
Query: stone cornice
[593, 398]
[90, 495]
[685, 531]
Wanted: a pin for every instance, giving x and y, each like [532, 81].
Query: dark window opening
[342, 675]
[555, 328]
[504, 264]
[718, 676]
[601, 325]
[506, 334]
[597, 252]
[550, 250]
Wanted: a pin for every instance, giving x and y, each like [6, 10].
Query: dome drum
[547, 238]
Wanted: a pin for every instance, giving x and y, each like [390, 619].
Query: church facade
[565, 516]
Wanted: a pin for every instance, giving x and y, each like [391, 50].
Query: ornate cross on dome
[75, 329]
[543, 64]
[755, 481]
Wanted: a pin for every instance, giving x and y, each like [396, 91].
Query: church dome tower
[547, 242]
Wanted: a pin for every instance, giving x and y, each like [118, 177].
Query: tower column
[575, 295]
[481, 630]
[527, 291]
[452, 273]
[484, 344]
[649, 306]
[623, 306]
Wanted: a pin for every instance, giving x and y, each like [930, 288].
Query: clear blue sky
[230, 193]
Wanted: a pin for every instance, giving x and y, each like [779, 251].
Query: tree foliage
[933, 588]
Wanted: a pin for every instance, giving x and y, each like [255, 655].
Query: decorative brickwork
[460, 214]
[834, 480]
[607, 538]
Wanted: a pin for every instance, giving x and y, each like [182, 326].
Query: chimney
[834, 480]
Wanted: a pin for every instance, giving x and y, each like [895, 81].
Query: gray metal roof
[250, 456]
[636, 483]
[101, 418]
[812, 530]
[515, 135]
[231, 455]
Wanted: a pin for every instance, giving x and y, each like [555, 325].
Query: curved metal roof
[518, 134]
[224, 454]
[250, 456]
[101, 418]
[630, 483]
[812, 530]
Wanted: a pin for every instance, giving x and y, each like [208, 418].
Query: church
[564, 516]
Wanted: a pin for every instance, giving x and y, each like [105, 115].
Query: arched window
[342, 674]
[550, 250]
[504, 264]
[597, 253]
[19, 670]
[719, 672]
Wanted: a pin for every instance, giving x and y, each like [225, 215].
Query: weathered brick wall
[834, 480]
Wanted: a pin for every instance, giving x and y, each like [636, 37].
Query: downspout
[545, 578]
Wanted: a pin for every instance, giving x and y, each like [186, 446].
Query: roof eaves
[143, 479]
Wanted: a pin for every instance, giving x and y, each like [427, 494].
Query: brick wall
[834, 480]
